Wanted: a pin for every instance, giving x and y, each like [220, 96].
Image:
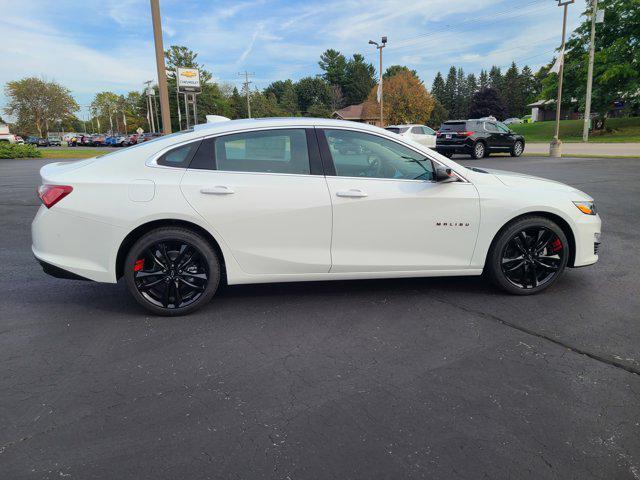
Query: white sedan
[283, 200]
[421, 134]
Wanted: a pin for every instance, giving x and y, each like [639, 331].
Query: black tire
[517, 149]
[447, 154]
[479, 150]
[172, 271]
[522, 271]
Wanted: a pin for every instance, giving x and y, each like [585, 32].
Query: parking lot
[437, 378]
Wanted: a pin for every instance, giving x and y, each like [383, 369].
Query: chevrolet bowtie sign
[188, 80]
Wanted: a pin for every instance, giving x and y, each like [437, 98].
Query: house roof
[352, 112]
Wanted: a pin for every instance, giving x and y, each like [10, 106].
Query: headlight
[588, 208]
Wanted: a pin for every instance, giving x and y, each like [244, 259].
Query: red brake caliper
[556, 246]
[139, 265]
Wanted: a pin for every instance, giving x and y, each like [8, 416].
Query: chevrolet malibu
[284, 200]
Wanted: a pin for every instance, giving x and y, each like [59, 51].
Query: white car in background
[300, 199]
[418, 133]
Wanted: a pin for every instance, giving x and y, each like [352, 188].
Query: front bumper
[587, 234]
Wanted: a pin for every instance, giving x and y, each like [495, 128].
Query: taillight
[465, 134]
[52, 194]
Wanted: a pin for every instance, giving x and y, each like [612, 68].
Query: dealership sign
[188, 80]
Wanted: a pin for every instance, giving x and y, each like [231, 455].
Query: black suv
[478, 138]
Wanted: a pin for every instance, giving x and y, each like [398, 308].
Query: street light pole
[162, 76]
[380, 91]
[587, 107]
[555, 149]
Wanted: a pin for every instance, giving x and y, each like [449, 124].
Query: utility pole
[246, 89]
[587, 108]
[148, 91]
[555, 148]
[380, 99]
[162, 75]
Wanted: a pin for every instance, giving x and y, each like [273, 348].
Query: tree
[334, 65]
[104, 106]
[486, 102]
[450, 91]
[396, 69]
[462, 97]
[438, 115]
[495, 78]
[483, 79]
[528, 85]
[512, 91]
[359, 79]
[38, 104]
[616, 72]
[179, 56]
[405, 98]
[438, 88]
[312, 91]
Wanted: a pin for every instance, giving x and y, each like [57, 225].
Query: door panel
[402, 225]
[388, 214]
[268, 207]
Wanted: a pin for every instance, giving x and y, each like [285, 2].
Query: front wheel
[517, 149]
[528, 256]
[172, 271]
[479, 150]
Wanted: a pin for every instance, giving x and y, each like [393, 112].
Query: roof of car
[405, 125]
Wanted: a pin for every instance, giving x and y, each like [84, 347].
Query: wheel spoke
[147, 286]
[176, 288]
[544, 236]
[534, 275]
[156, 260]
[165, 295]
[546, 265]
[143, 274]
[191, 285]
[517, 267]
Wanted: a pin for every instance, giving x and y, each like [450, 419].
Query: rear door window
[417, 130]
[453, 127]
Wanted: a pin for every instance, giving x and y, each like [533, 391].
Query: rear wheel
[517, 149]
[447, 154]
[479, 150]
[172, 271]
[528, 256]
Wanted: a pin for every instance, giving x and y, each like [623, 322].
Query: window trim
[153, 160]
[330, 169]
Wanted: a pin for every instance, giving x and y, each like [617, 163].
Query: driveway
[414, 378]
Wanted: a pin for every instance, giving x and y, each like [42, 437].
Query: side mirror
[443, 174]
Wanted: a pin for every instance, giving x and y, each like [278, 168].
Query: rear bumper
[58, 272]
[454, 148]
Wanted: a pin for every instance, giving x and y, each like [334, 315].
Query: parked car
[54, 140]
[133, 139]
[6, 136]
[293, 199]
[37, 141]
[478, 138]
[527, 119]
[513, 120]
[18, 139]
[97, 140]
[418, 133]
[84, 140]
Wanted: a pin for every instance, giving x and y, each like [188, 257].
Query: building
[545, 110]
[356, 113]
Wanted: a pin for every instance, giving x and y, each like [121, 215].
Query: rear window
[453, 127]
[397, 129]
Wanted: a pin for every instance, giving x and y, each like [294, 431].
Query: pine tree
[512, 91]
[495, 78]
[462, 95]
[450, 90]
[438, 88]
[487, 102]
[528, 85]
[483, 80]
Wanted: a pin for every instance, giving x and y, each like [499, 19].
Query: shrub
[15, 150]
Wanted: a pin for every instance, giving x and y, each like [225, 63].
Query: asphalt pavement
[390, 379]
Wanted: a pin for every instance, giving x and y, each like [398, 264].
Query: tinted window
[502, 127]
[490, 127]
[397, 129]
[428, 130]
[417, 130]
[269, 151]
[453, 127]
[180, 156]
[357, 154]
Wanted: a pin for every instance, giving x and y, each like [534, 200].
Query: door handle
[351, 193]
[217, 190]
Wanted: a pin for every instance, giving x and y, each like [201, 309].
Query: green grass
[72, 152]
[622, 130]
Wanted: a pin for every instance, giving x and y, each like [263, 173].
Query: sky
[91, 46]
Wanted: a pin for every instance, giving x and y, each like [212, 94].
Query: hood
[521, 180]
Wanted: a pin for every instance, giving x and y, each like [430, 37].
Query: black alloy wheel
[529, 256]
[172, 271]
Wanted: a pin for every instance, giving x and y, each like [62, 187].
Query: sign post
[188, 80]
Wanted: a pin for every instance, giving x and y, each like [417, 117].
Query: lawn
[71, 152]
[622, 130]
